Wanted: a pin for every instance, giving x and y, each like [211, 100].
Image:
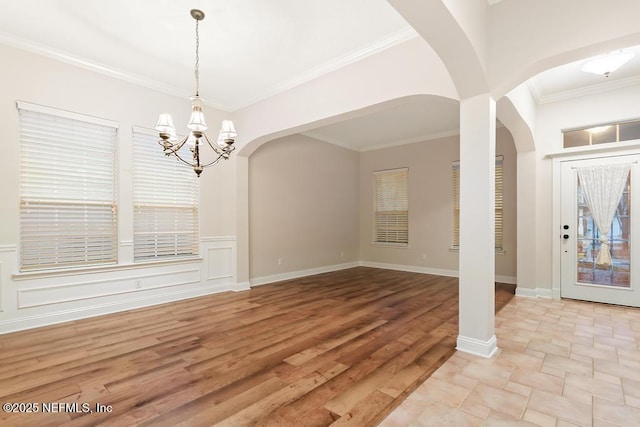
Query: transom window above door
[602, 134]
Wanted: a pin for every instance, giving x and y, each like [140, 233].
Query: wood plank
[343, 348]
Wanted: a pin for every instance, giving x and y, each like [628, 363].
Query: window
[68, 211]
[392, 207]
[499, 214]
[602, 134]
[165, 202]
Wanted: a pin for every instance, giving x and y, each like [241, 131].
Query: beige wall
[311, 201]
[303, 206]
[50, 297]
[431, 205]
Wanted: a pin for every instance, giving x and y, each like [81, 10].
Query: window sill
[498, 251]
[102, 268]
[391, 245]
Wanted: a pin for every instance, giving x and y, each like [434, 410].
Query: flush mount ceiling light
[197, 137]
[607, 63]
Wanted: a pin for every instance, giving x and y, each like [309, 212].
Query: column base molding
[486, 349]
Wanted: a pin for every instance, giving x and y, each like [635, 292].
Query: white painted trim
[428, 270]
[218, 239]
[506, 279]
[126, 243]
[608, 150]
[333, 65]
[410, 268]
[583, 91]
[242, 286]
[535, 293]
[103, 268]
[323, 138]
[422, 138]
[46, 319]
[8, 248]
[301, 273]
[80, 285]
[485, 349]
[414, 140]
[67, 58]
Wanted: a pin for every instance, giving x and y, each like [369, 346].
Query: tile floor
[561, 363]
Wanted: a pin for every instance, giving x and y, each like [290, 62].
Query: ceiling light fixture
[607, 63]
[170, 143]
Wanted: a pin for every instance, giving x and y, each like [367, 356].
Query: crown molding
[582, 91]
[333, 141]
[407, 141]
[414, 140]
[68, 58]
[333, 65]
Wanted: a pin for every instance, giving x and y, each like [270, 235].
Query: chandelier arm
[213, 147]
[220, 156]
[182, 160]
[178, 145]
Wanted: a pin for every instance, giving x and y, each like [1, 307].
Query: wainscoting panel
[35, 299]
[83, 290]
[220, 258]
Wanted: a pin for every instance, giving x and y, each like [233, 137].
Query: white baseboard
[486, 349]
[242, 286]
[301, 273]
[409, 268]
[506, 279]
[428, 270]
[536, 293]
[51, 318]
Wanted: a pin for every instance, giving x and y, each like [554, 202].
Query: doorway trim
[580, 153]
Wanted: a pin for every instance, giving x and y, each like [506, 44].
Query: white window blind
[392, 207]
[499, 201]
[68, 212]
[165, 199]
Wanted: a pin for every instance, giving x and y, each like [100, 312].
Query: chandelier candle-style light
[197, 126]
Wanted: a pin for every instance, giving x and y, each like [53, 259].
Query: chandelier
[197, 138]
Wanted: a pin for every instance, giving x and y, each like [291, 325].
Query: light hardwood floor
[337, 348]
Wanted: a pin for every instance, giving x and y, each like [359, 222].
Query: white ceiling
[251, 49]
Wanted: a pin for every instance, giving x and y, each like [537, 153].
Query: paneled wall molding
[104, 268]
[69, 292]
[42, 298]
[89, 309]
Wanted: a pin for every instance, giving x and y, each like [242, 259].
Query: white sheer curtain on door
[603, 186]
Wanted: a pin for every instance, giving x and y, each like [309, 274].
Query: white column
[477, 227]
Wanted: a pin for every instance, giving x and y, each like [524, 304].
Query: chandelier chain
[197, 71]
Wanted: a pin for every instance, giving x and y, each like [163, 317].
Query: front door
[586, 274]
